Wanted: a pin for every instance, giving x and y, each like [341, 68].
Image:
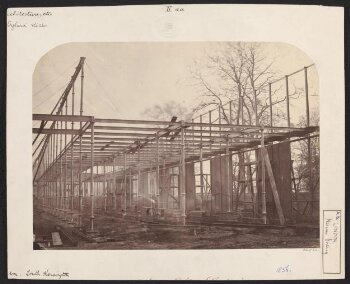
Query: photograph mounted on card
[229, 158]
[172, 133]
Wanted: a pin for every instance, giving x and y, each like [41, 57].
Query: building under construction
[116, 183]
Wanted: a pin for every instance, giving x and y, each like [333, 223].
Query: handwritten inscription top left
[24, 19]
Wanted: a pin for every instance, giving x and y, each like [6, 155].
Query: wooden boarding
[190, 187]
[284, 183]
[226, 182]
[215, 173]
[273, 186]
[56, 239]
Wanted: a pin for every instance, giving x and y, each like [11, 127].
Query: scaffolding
[88, 165]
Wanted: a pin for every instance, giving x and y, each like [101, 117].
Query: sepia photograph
[175, 145]
[175, 142]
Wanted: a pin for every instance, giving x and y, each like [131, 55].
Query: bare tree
[241, 73]
[306, 165]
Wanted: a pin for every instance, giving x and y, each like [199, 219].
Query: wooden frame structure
[74, 148]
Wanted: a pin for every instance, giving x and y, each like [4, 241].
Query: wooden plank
[130, 121]
[271, 211]
[280, 160]
[56, 239]
[285, 182]
[189, 124]
[164, 186]
[253, 192]
[51, 117]
[276, 170]
[226, 181]
[215, 173]
[190, 187]
[273, 186]
[55, 131]
[132, 128]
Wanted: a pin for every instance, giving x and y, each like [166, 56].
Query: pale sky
[123, 79]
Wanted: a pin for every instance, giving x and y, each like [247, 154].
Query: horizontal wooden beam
[54, 117]
[130, 121]
[192, 124]
[56, 131]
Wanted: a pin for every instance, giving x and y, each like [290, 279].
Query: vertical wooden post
[201, 174]
[71, 158]
[253, 191]
[105, 186]
[263, 189]
[65, 161]
[201, 128]
[311, 190]
[228, 179]
[48, 172]
[241, 176]
[255, 109]
[308, 139]
[57, 172]
[49, 193]
[51, 178]
[219, 122]
[242, 111]
[125, 183]
[114, 196]
[270, 99]
[150, 193]
[131, 190]
[239, 105]
[97, 188]
[138, 178]
[287, 99]
[80, 188]
[82, 90]
[210, 130]
[165, 188]
[52, 170]
[192, 137]
[45, 179]
[56, 188]
[183, 177]
[307, 97]
[61, 169]
[244, 176]
[157, 172]
[92, 217]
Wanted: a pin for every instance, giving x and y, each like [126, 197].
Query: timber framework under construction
[107, 181]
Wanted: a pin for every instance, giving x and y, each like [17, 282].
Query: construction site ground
[116, 233]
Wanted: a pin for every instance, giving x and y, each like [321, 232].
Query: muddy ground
[124, 233]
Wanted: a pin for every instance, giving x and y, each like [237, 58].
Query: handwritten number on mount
[172, 9]
[283, 269]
